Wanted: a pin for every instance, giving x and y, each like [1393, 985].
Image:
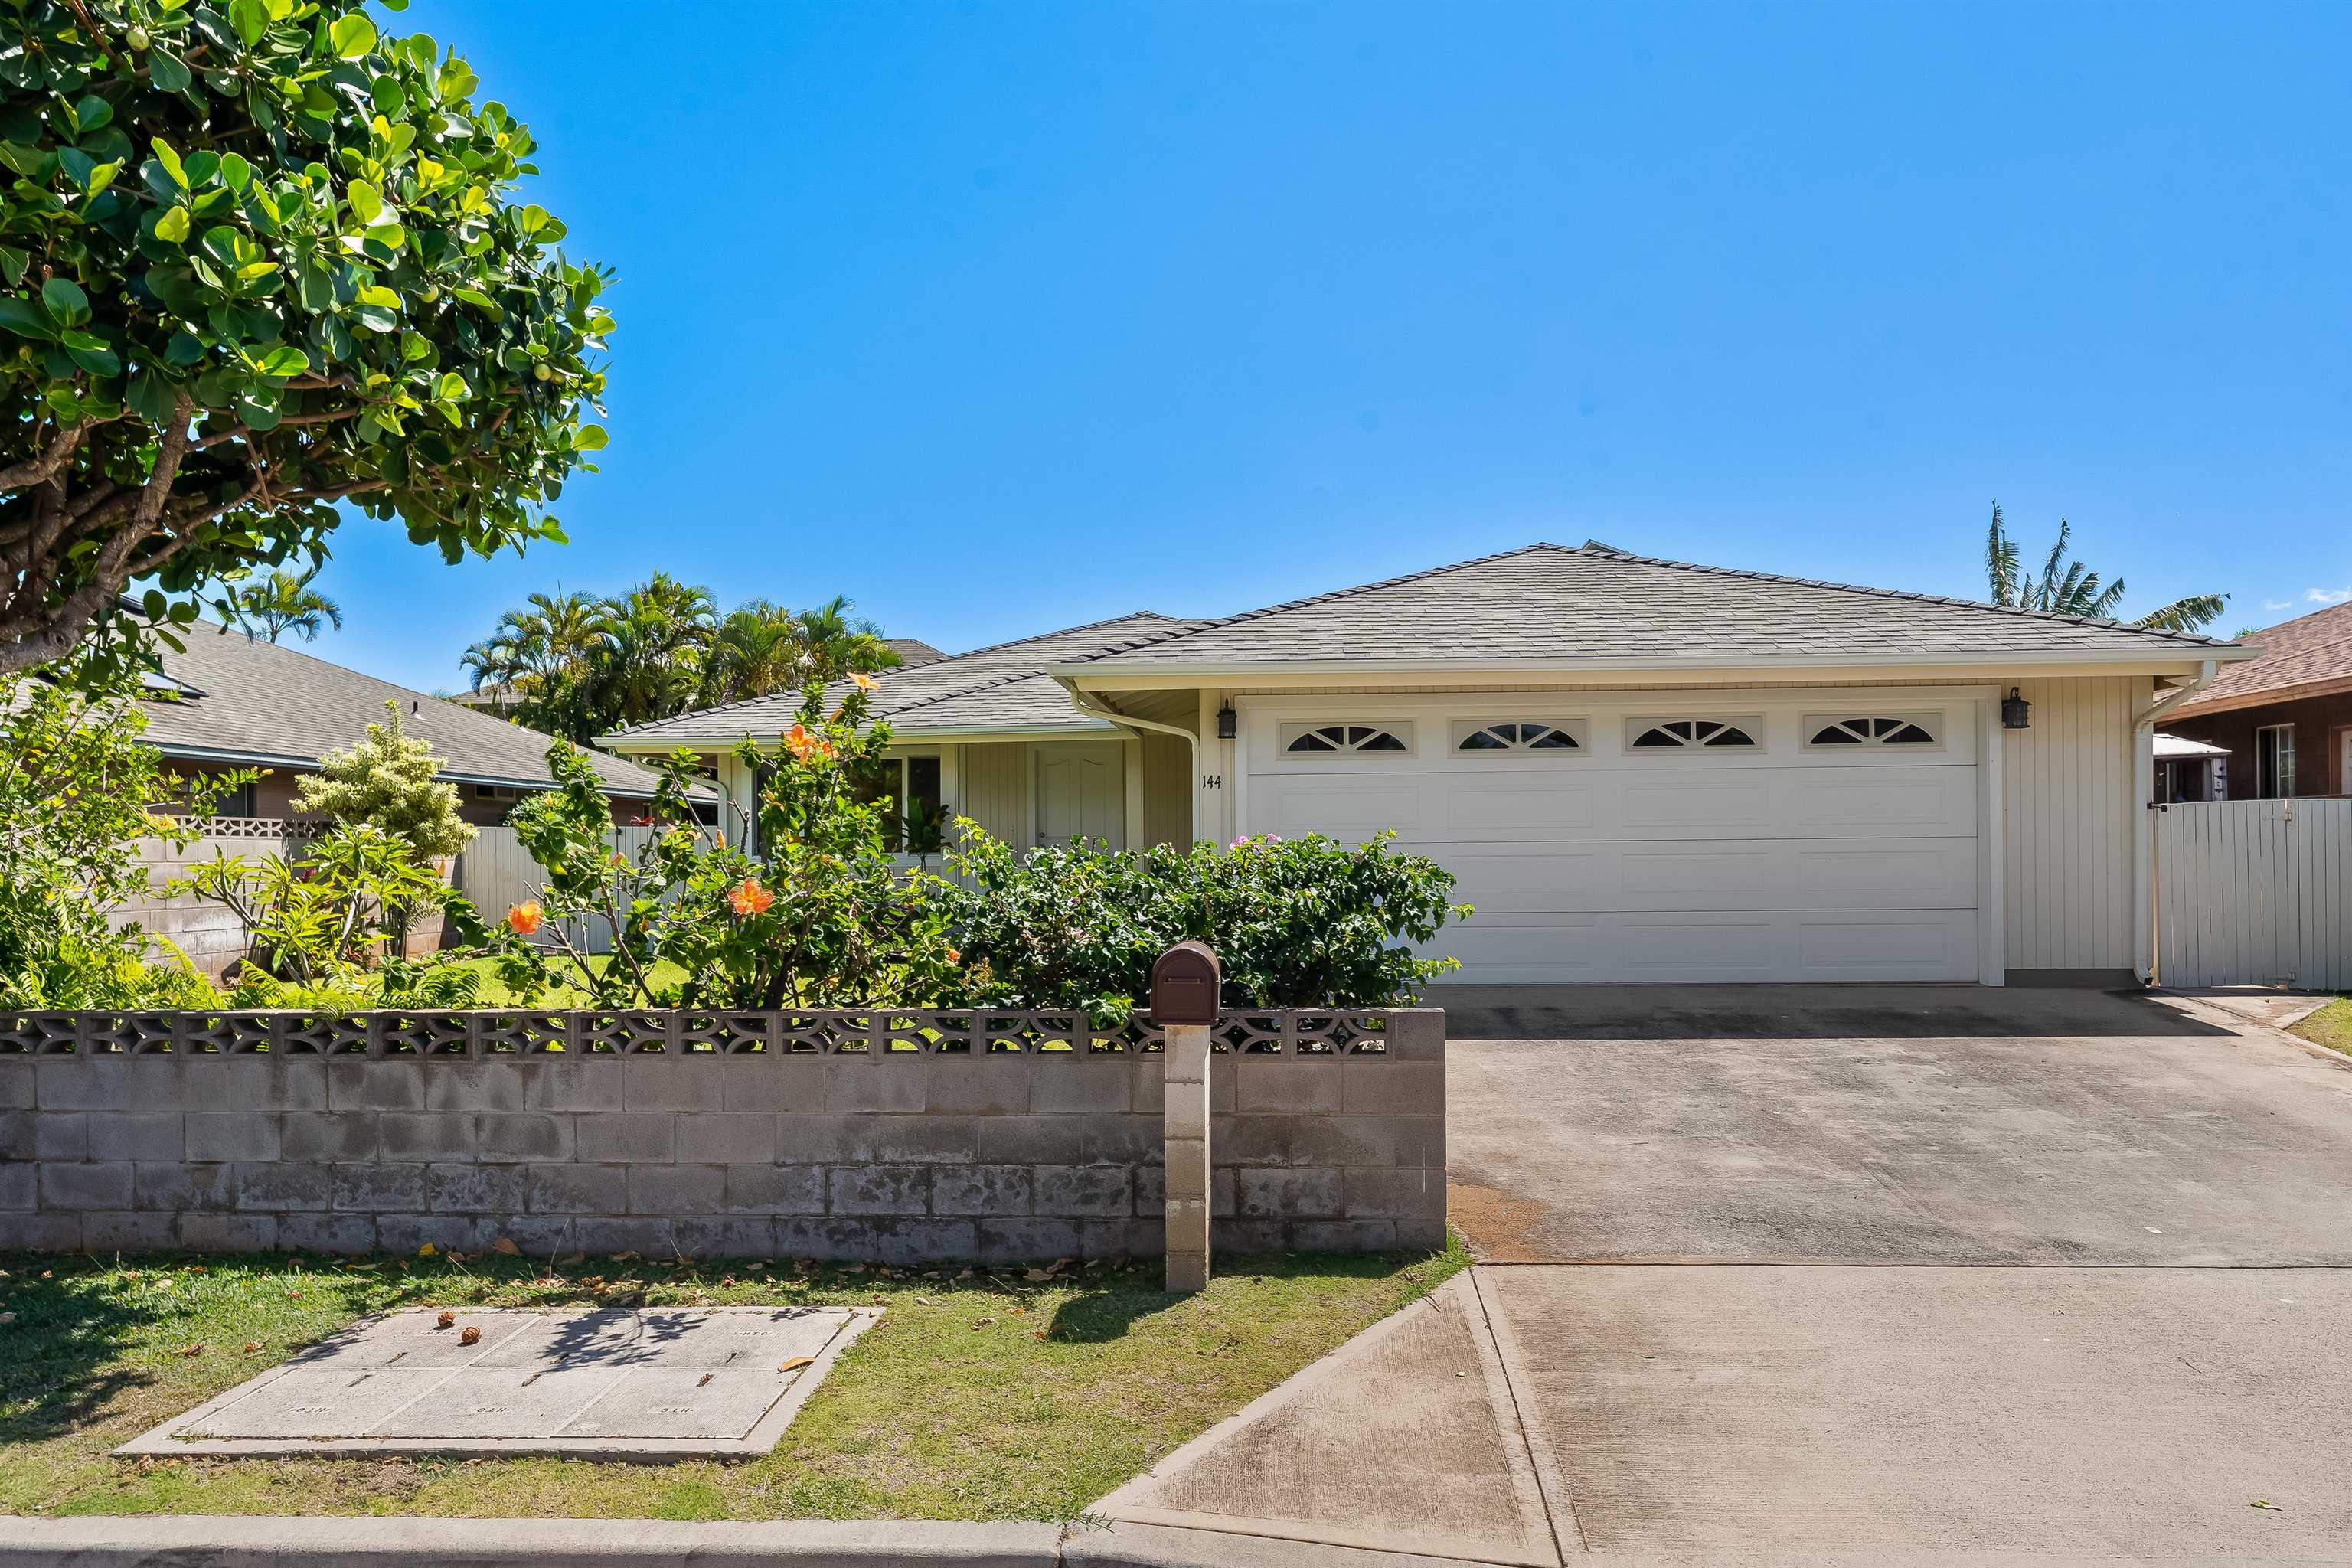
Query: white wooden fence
[497, 873]
[2254, 892]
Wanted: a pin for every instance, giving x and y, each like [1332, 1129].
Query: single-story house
[1639, 769]
[232, 702]
[2188, 771]
[2285, 716]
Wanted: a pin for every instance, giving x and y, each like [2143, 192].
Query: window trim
[1579, 730]
[1404, 730]
[1937, 724]
[2280, 764]
[1751, 724]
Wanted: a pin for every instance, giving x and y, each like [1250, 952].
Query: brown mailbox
[1185, 982]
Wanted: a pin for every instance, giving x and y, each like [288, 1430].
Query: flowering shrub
[1299, 922]
[321, 918]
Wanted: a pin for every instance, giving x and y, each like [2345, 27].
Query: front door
[1081, 793]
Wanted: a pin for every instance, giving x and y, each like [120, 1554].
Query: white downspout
[2148, 959]
[1128, 720]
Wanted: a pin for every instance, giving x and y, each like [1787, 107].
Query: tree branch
[38, 470]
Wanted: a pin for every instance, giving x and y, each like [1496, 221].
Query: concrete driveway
[1850, 1276]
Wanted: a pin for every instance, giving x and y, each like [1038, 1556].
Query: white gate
[497, 873]
[2254, 892]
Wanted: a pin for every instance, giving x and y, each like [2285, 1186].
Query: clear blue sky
[1001, 317]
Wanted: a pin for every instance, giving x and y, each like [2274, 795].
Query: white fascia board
[2026, 664]
[647, 745]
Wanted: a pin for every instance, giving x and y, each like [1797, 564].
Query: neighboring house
[2188, 771]
[1639, 770]
[234, 702]
[2285, 717]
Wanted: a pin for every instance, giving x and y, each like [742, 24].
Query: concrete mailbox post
[1185, 983]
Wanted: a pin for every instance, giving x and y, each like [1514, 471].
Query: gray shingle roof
[1000, 687]
[1591, 603]
[263, 703]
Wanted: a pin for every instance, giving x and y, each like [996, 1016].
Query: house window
[1348, 739]
[910, 786]
[1672, 734]
[2274, 761]
[1519, 735]
[1872, 730]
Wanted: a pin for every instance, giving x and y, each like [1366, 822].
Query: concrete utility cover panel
[659, 1384]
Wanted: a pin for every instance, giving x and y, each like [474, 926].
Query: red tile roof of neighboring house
[2310, 655]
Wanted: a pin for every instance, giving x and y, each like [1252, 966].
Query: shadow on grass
[64, 1360]
[1100, 1315]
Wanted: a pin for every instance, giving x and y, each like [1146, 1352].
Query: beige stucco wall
[2069, 813]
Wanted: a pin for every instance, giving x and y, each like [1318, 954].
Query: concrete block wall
[890, 1156]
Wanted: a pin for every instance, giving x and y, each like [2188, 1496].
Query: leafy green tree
[387, 782]
[285, 601]
[79, 789]
[321, 918]
[2067, 587]
[264, 261]
[835, 644]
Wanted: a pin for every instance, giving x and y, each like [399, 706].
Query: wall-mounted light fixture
[1229, 723]
[2016, 713]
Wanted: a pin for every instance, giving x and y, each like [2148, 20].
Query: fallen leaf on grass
[505, 1245]
[794, 1363]
[427, 1250]
[472, 1336]
[575, 1257]
[1035, 1275]
[982, 1322]
[1020, 1311]
[622, 1258]
[1036, 1333]
[192, 1351]
[251, 1346]
[446, 1319]
[922, 1301]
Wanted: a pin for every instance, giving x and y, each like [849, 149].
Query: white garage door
[1656, 837]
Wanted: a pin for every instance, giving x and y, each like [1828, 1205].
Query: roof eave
[2301, 692]
[245, 759]
[1114, 674]
[647, 745]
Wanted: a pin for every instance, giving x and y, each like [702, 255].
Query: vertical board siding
[1166, 790]
[2255, 892]
[495, 872]
[996, 790]
[2068, 809]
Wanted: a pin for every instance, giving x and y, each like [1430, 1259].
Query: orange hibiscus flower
[863, 681]
[804, 745]
[749, 898]
[524, 917]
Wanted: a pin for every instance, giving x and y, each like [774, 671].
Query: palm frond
[2193, 614]
[2001, 563]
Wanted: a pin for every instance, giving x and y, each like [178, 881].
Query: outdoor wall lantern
[2016, 713]
[1229, 723]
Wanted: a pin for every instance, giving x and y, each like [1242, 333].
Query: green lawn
[496, 995]
[2330, 1027]
[979, 1395]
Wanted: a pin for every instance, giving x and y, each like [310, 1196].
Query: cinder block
[1343, 1235]
[677, 1189]
[342, 1235]
[673, 1083]
[1425, 1233]
[537, 1237]
[130, 1231]
[1346, 1140]
[474, 1086]
[1244, 1140]
[1221, 1074]
[878, 1190]
[252, 1083]
[918, 1241]
[278, 1186]
[1122, 1138]
[377, 1189]
[836, 1241]
[599, 1235]
[1121, 1238]
[85, 1186]
[1417, 1034]
[229, 1232]
[1084, 1084]
[522, 1135]
[1146, 1086]
[426, 1136]
[771, 1081]
[91, 1083]
[16, 1135]
[17, 1084]
[1412, 1193]
[1224, 1194]
[233, 1135]
[891, 1083]
[403, 1235]
[1032, 1140]
[62, 1136]
[645, 1138]
[396, 1084]
[1292, 1086]
[879, 1140]
[1181, 1178]
[576, 1189]
[177, 1186]
[28, 1232]
[492, 1190]
[329, 1135]
[136, 1136]
[1395, 1088]
[776, 1189]
[1024, 1240]
[1099, 1192]
[993, 1190]
[18, 1180]
[1246, 1235]
[997, 1083]
[1286, 1193]
[728, 1137]
[724, 1236]
[567, 1082]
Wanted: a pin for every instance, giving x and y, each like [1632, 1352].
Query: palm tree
[285, 601]
[833, 646]
[756, 651]
[550, 638]
[2067, 587]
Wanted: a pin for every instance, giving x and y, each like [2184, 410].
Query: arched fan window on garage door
[1334, 738]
